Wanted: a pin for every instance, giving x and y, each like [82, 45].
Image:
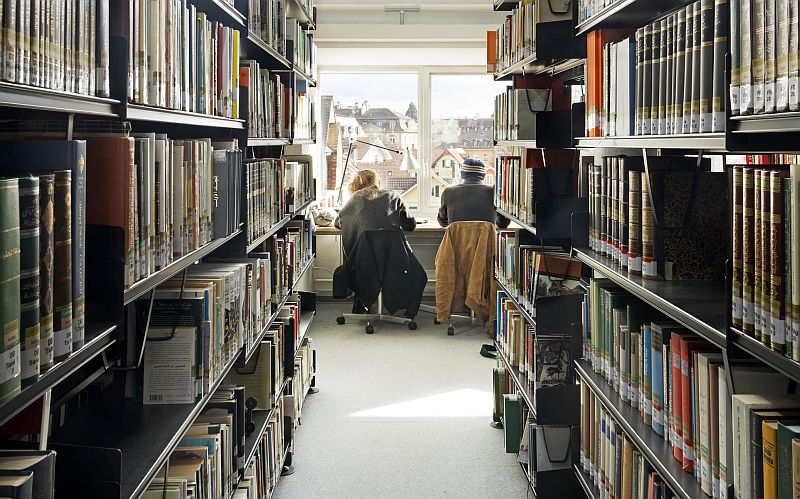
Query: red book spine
[676, 405]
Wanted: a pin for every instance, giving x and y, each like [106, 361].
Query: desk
[424, 240]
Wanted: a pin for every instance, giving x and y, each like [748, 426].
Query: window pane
[462, 121]
[366, 113]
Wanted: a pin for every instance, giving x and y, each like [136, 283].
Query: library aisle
[400, 414]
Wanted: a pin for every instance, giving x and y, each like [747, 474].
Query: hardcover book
[9, 288]
[46, 269]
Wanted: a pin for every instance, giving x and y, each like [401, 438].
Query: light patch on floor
[465, 403]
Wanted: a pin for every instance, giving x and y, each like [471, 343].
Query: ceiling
[443, 23]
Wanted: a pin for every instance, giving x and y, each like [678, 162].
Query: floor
[399, 414]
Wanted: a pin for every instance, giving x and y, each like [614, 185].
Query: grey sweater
[470, 201]
[372, 208]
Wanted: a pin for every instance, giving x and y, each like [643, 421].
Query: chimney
[364, 108]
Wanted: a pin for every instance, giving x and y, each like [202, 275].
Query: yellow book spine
[769, 435]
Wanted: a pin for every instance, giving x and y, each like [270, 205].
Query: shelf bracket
[70, 125]
[44, 429]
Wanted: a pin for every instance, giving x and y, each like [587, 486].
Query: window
[355, 101]
[462, 105]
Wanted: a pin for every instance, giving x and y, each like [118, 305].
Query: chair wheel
[370, 329]
[436, 322]
[340, 320]
[451, 331]
[412, 325]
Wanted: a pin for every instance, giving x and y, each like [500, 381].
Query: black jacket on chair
[382, 260]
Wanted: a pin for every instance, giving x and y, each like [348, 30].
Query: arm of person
[441, 217]
[502, 221]
[407, 222]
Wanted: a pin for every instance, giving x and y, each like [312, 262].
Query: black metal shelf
[532, 65]
[302, 207]
[272, 56]
[222, 11]
[585, 482]
[523, 225]
[699, 305]
[652, 445]
[25, 96]
[513, 297]
[137, 112]
[522, 386]
[767, 123]
[98, 337]
[773, 359]
[299, 12]
[275, 228]
[306, 318]
[627, 14]
[504, 5]
[142, 286]
[146, 435]
[530, 144]
[267, 141]
[261, 419]
[705, 141]
[305, 76]
[273, 317]
[302, 272]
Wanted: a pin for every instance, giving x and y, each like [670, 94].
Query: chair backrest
[475, 227]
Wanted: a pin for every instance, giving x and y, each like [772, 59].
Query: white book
[626, 77]
[746, 54]
[794, 54]
[35, 38]
[725, 434]
[169, 367]
[611, 123]
[103, 48]
[704, 415]
[10, 40]
[22, 50]
[92, 66]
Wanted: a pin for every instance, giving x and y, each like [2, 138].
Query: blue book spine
[647, 405]
[657, 381]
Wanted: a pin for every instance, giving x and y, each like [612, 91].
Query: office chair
[380, 261]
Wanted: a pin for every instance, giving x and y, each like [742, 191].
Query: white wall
[360, 58]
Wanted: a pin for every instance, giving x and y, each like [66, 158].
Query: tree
[412, 110]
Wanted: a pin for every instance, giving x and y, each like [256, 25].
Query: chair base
[379, 317]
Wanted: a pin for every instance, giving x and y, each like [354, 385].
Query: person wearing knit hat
[472, 200]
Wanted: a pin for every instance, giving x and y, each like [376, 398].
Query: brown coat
[465, 270]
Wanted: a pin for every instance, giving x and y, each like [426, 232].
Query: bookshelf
[81, 402]
[702, 307]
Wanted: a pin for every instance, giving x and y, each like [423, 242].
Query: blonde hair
[364, 178]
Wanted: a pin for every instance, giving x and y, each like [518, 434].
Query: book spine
[634, 222]
[662, 78]
[687, 72]
[748, 250]
[766, 244]
[777, 292]
[794, 55]
[9, 288]
[794, 176]
[103, 49]
[29, 279]
[747, 39]
[769, 56]
[735, 56]
[669, 80]
[647, 375]
[649, 263]
[657, 383]
[757, 261]
[724, 424]
[787, 267]
[680, 72]
[759, 52]
[638, 78]
[46, 268]
[62, 266]
[647, 79]
[737, 245]
[78, 204]
[694, 120]
[706, 64]
[655, 77]
[782, 55]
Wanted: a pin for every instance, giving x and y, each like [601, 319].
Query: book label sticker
[63, 337]
[745, 99]
[46, 340]
[648, 267]
[793, 96]
[30, 355]
[777, 330]
[736, 307]
[658, 415]
[782, 93]
[9, 364]
[758, 97]
[769, 97]
[735, 97]
[715, 487]
[688, 451]
[748, 312]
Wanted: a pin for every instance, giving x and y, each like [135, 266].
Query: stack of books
[300, 48]
[267, 21]
[266, 198]
[267, 98]
[515, 112]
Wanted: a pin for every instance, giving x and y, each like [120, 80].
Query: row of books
[615, 466]
[665, 225]
[300, 48]
[299, 178]
[542, 360]
[685, 400]
[267, 101]
[266, 196]
[533, 271]
[515, 112]
[169, 196]
[179, 59]
[304, 368]
[515, 40]
[43, 256]
[766, 278]
[764, 57]
[267, 21]
[279, 251]
[261, 475]
[300, 237]
[56, 45]
[588, 8]
[304, 117]
[672, 70]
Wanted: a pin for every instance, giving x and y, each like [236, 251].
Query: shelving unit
[517, 221]
[135, 112]
[710, 142]
[534, 66]
[267, 142]
[650, 444]
[701, 306]
[626, 13]
[513, 297]
[586, 483]
[258, 49]
[531, 144]
[513, 372]
[17, 96]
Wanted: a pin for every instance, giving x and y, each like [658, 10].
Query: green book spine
[512, 423]
[62, 267]
[46, 248]
[784, 465]
[738, 219]
[29, 278]
[9, 289]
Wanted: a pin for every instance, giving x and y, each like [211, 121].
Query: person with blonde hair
[370, 208]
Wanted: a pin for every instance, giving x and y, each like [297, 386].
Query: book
[10, 288]
[29, 279]
[62, 267]
[512, 422]
[46, 268]
[40, 463]
[706, 66]
[721, 43]
[16, 484]
[765, 454]
[786, 432]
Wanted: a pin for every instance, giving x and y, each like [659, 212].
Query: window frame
[425, 74]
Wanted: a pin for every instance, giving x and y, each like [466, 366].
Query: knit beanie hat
[473, 168]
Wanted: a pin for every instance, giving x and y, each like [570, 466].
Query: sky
[452, 96]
